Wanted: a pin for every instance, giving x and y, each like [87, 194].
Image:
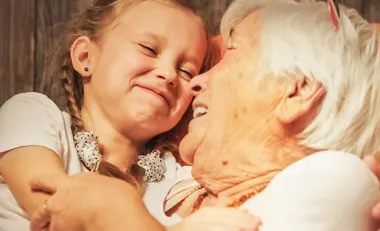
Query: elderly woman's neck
[251, 187]
[250, 167]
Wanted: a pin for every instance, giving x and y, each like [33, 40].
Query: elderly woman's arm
[327, 191]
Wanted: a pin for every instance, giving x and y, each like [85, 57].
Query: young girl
[125, 68]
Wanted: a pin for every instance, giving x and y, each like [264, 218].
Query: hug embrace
[283, 134]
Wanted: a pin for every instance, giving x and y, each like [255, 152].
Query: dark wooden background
[28, 29]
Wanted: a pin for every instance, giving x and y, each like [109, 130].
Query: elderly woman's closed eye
[277, 120]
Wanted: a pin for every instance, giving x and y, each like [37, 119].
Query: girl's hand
[218, 219]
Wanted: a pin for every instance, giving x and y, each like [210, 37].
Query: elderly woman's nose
[198, 84]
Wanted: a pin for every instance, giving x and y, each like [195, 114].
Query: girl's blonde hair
[94, 23]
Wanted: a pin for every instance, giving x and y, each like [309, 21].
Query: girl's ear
[83, 54]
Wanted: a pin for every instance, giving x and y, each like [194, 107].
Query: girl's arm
[20, 165]
[33, 140]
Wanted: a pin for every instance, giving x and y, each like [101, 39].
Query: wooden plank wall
[28, 29]
[17, 47]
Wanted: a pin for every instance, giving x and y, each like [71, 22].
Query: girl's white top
[33, 119]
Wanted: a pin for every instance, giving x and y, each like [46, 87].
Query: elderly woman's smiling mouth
[199, 110]
[197, 129]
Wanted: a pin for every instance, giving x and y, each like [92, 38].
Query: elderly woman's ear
[301, 97]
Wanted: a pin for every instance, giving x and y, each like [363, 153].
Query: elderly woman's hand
[89, 201]
[374, 165]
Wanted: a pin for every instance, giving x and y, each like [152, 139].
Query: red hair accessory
[334, 13]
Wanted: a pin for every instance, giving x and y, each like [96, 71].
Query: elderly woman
[280, 123]
[299, 94]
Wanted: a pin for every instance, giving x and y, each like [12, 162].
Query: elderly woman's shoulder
[324, 191]
[330, 158]
[332, 162]
[328, 172]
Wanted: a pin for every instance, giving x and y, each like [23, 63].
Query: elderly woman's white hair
[301, 37]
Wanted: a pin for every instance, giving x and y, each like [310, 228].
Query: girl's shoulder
[30, 99]
[31, 106]
[33, 119]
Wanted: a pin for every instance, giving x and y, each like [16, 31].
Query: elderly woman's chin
[193, 139]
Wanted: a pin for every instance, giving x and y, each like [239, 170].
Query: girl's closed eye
[148, 50]
[186, 74]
